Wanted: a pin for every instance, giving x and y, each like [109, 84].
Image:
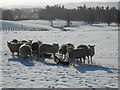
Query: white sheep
[85, 47]
[29, 42]
[63, 49]
[14, 47]
[35, 47]
[25, 51]
[91, 51]
[73, 54]
[46, 48]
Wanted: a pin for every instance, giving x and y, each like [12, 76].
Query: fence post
[3, 28]
[6, 28]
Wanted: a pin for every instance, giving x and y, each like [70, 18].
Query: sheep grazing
[85, 50]
[75, 54]
[46, 48]
[91, 51]
[14, 47]
[63, 49]
[35, 48]
[29, 42]
[25, 51]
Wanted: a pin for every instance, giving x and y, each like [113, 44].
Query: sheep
[70, 45]
[63, 62]
[14, 47]
[91, 51]
[85, 47]
[35, 47]
[29, 42]
[46, 48]
[63, 49]
[75, 54]
[25, 51]
[39, 42]
[14, 41]
[60, 61]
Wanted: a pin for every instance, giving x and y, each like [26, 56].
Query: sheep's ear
[8, 42]
[94, 46]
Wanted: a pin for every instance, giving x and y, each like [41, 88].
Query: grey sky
[7, 3]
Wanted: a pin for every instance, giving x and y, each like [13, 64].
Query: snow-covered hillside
[17, 73]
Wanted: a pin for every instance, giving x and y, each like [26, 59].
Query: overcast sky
[6, 3]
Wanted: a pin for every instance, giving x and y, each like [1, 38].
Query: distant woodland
[89, 15]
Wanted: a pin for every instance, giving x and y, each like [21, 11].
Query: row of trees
[90, 15]
[8, 15]
[82, 13]
[17, 14]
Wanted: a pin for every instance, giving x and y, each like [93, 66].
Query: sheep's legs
[88, 57]
[88, 60]
[80, 62]
[84, 59]
[18, 54]
[43, 57]
[13, 54]
[38, 56]
[91, 60]
[54, 57]
[30, 55]
[64, 57]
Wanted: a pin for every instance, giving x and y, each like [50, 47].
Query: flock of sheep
[66, 54]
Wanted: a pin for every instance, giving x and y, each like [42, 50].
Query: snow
[18, 73]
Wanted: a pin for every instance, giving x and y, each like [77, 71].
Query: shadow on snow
[55, 64]
[81, 69]
[25, 62]
[85, 68]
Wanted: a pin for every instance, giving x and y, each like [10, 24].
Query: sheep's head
[60, 51]
[24, 41]
[39, 42]
[91, 46]
[69, 48]
[56, 45]
[70, 45]
[30, 41]
[8, 43]
[14, 41]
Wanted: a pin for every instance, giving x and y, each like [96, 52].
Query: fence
[22, 29]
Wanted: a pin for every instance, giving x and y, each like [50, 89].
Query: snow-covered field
[17, 73]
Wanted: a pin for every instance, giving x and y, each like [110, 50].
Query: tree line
[89, 15]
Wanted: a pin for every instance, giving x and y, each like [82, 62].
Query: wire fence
[22, 29]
